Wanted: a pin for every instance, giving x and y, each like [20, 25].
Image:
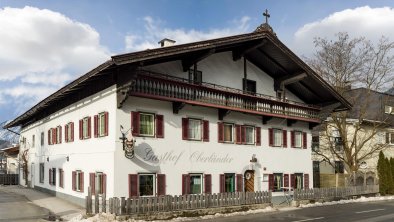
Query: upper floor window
[195, 77]
[339, 167]
[249, 86]
[195, 129]
[54, 135]
[42, 138]
[33, 141]
[298, 139]
[390, 137]
[69, 132]
[315, 143]
[388, 109]
[101, 124]
[58, 134]
[277, 137]
[249, 134]
[147, 124]
[85, 128]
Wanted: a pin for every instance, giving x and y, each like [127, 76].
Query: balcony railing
[170, 88]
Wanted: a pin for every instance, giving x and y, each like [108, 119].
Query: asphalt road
[360, 212]
[14, 207]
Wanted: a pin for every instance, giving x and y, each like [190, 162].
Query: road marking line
[367, 211]
[317, 218]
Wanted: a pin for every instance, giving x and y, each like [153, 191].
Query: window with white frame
[33, 141]
[249, 134]
[388, 109]
[278, 137]
[146, 184]
[102, 124]
[42, 172]
[194, 130]
[278, 181]
[42, 138]
[390, 138]
[85, 127]
[315, 143]
[99, 183]
[147, 124]
[228, 129]
[297, 139]
[78, 180]
[298, 183]
[229, 182]
[69, 132]
[58, 134]
[195, 183]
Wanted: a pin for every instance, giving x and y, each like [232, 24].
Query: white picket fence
[335, 192]
[143, 205]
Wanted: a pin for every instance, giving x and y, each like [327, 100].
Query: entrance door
[32, 175]
[249, 181]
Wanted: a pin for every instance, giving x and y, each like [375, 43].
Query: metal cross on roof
[267, 15]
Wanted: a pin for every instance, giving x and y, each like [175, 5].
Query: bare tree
[25, 164]
[346, 63]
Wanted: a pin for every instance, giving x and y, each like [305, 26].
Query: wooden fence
[141, 205]
[339, 192]
[9, 179]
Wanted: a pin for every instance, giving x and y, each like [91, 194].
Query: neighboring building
[9, 163]
[374, 112]
[222, 115]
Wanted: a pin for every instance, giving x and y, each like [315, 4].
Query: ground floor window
[77, 181]
[61, 178]
[278, 181]
[229, 182]
[298, 181]
[195, 183]
[42, 172]
[146, 184]
[52, 176]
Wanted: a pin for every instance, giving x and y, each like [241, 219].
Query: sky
[46, 44]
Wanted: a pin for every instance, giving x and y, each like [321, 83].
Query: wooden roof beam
[288, 79]
[189, 61]
[237, 54]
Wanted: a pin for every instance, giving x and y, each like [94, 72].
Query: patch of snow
[361, 199]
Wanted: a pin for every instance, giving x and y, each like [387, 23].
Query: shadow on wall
[146, 158]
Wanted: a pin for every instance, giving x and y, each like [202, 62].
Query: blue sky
[46, 44]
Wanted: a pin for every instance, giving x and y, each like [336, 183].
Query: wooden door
[249, 181]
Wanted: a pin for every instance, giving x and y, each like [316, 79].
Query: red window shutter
[161, 184]
[306, 181]
[238, 136]
[54, 141]
[81, 184]
[66, 133]
[205, 130]
[81, 129]
[95, 128]
[135, 123]
[105, 183]
[208, 183]
[271, 137]
[292, 138]
[185, 128]
[60, 134]
[106, 119]
[159, 126]
[258, 136]
[185, 184]
[240, 183]
[50, 176]
[220, 132]
[304, 140]
[286, 180]
[49, 137]
[72, 132]
[89, 127]
[292, 180]
[243, 134]
[73, 180]
[92, 182]
[271, 182]
[222, 183]
[133, 185]
[284, 138]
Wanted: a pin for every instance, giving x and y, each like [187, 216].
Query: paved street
[14, 207]
[360, 212]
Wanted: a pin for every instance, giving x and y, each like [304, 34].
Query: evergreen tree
[389, 176]
[382, 174]
[392, 166]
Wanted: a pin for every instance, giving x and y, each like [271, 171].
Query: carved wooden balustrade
[170, 88]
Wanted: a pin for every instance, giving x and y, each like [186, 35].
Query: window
[229, 182]
[195, 77]
[339, 167]
[297, 139]
[146, 184]
[77, 181]
[194, 129]
[388, 109]
[42, 172]
[147, 124]
[228, 132]
[42, 138]
[102, 124]
[58, 135]
[249, 86]
[69, 132]
[195, 183]
[278, 139]
[278, 181]
[33, 141]
[315, 143]
[249, 134]
[298, 180]
[61, 178]
[389, 138]
[52, 176]
[85, 128]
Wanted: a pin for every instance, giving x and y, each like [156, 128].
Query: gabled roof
[262, 48]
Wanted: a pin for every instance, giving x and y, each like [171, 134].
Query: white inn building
[222, 115]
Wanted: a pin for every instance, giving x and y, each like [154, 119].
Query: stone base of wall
[75, 200]
[192, 213]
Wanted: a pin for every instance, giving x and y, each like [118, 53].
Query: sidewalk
[57, 206]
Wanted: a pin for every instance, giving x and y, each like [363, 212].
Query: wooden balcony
[182, 91]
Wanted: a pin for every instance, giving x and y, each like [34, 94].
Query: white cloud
[154, 32]
[365, 21]
[41, 50]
